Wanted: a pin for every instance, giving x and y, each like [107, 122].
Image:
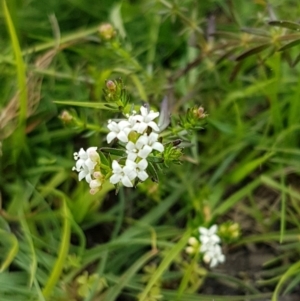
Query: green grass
[243, 166]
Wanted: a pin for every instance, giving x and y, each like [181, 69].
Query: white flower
[138, 149]
[133, 169]
[210, 246]
[144, 120]
[118, 130]
[214, 256]
[152, 141]
[120, 175]
[86, 162]
[209, 236]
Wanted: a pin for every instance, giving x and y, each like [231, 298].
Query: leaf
[62, 253]
[114, 291]
[21, 73]
[103, 159]
[88, 104]
[287, 57]
[285, 24]
[256, 31]
[294, 269]
[167, 260]
[253, 51]
[155, 159]
[235, 71]
[296, 61]
[113, 151]
[14, 247]
[235, 198]
[289, 45]
[152, 172]
[247, 168]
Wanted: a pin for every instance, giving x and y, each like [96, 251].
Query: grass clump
[228, 73]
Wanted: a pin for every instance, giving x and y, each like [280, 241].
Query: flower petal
[158, 146]
[153, 125]
[122, 137]
[114, 179]
[110, 137]
[116, 167]
[126, 182]
[142, 175]
[145, 151]
[142, 165]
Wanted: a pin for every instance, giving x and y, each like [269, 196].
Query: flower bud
[230, 231]
[133, 136]
[199, 112]
[66, 117]
[111, 86]
[106, 31]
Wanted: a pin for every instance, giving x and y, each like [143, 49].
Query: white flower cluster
[87, 163]
[138, 146]
[209, 245]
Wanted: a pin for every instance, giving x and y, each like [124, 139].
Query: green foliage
[63, 77]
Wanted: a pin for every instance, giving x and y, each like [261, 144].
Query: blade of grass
[63, 251]
[13, 249]
[283, 210]
[21, 76]
[114, 291]
[290, 272]
[169, 257]
[33, 265]
[236, 197]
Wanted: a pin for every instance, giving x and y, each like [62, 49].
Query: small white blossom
[145, 120]
[118, 130]
[133, 169]
[214, 256]
[152, 141]
[212, 251]
[209, 236]
[138, 149]
[86, 162]
[120, 175]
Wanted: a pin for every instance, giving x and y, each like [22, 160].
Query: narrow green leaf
[289, 45]
[14, 247]
[152, 172]
[21, 71]
[169, 257]
[253, 51]
[294, 269]
[247, 168]
[113, 151]
[33, 265]
[286, 24]
[88, 104]
[256, 31]
[115, 290]
[235, 198]
[283, 209]
[63, 251]
[288, 190]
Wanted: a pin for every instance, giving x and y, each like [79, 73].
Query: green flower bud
[229, 231]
